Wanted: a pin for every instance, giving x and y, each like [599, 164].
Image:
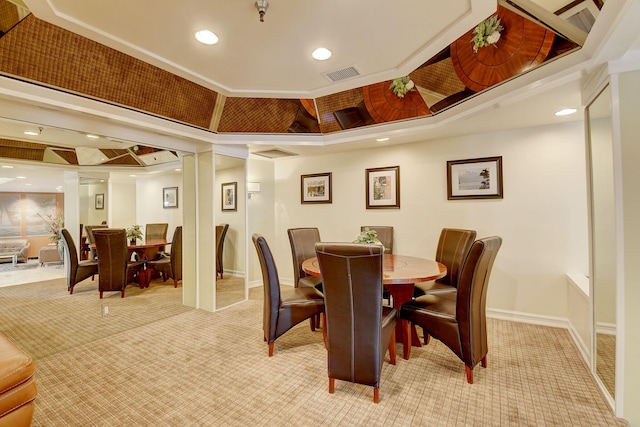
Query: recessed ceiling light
[566, 112]
[321, 54]
[92, 136]
[7, 166]
[206, 37]
[133, 176]
[382, 139]
[31, 132]
[21, 177]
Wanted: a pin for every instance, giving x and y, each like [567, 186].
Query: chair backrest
[472, 296]
[303, 246]
[90, 229]
[176, 253]
[156, 231]
[72, 256]
[453, 247]
[221, 233]
[352, 285]
[113, 256]
[384, 234]
[271, 287]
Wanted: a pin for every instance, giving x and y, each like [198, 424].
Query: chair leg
[426, 336]
[392, 347]
[469, 372]
[122, 293]
[332, 384]
[376, 395]
[406, 326]
[71, 290]
[483, 362]
[175, 283]
[100, 294]
[271, 349]
[312, 323]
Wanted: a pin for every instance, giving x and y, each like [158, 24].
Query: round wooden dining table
[385, 106]
[400, 274]
[523, 44]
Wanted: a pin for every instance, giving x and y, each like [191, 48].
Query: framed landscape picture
[475, 178]
[315, 188]
[100, 201]
[383, 187]
[170, 197]
[229, 199]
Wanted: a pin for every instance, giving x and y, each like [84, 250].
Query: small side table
[49, 254]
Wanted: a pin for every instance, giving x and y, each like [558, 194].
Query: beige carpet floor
[154, 362]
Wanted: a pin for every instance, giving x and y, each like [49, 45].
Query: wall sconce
[252, 188]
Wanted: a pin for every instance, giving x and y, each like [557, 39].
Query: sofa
[14, 250]
[17, 386]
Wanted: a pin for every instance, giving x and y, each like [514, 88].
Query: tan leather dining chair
[282, 309]
[171, 266]
[358, 328]
[115, 270]
[155, 231]
[77, 270]
[458, 319]
[384, 234]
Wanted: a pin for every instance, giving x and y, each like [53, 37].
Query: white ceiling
[529, 100]
[380, 38]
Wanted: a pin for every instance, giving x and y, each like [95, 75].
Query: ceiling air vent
[342, 74]
[274, 154]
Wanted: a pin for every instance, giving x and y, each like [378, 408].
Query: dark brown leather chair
[304, 122]
[453, 247]
[92, 240]
[77, 271]
[358, 328]
[171, 266]
[458, 318]
[384, 234]
[221, 234]
[282, 309]
[353, 117]
[115, 270]
[303, 246]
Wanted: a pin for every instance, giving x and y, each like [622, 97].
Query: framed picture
[229, 190]
[100, 201]
[315, 188]
[383, 187]
[474, 178]
[170, 197]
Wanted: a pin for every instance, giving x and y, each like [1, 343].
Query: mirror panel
[603, 237]
[230, 205]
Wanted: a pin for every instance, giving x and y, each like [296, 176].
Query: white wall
[149, 201]
[542, 218]
[261, 218]
[89, 215]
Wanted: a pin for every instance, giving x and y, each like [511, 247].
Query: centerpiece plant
[401, 86]
[368, 236]
[133, 233]
[487, 33]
